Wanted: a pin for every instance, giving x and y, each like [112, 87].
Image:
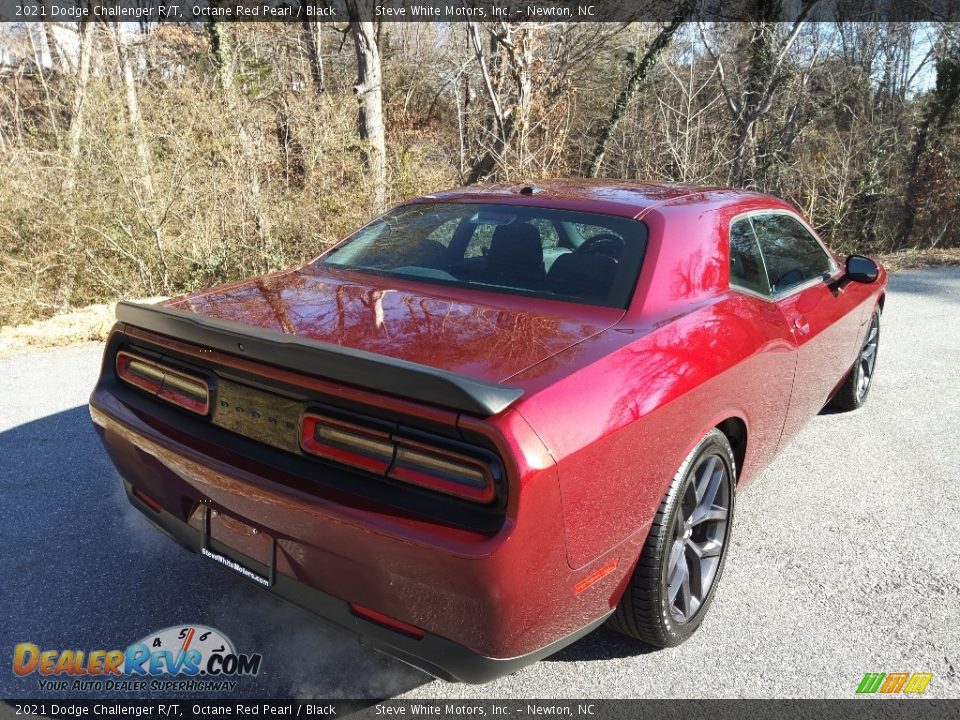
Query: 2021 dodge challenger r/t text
[493, 418]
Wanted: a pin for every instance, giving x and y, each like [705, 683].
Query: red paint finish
[825, 329]
[481, 334]
[613, 401]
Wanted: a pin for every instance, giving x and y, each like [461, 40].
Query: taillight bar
[140, 372]
[398, 458]
[441, 470]
[346, 443]
[175, 386]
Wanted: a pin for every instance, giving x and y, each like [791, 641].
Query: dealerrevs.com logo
[187, 658]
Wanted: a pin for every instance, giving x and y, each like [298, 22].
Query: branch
[474, 36]
[633, 84]
[734, 106]
[777, 79]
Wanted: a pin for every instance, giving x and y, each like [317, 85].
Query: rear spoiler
[326, 360]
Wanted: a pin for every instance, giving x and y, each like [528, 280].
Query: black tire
[646, 611]
[855, 389]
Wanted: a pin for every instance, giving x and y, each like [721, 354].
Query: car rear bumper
[487, 606]
[433, 654]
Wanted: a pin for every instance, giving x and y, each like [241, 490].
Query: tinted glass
[501, 248]
[480, 240]
[548, 232]
[791, 254]
[746, 265]
[444, 233]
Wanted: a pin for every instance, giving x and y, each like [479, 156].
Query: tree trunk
[626, 95]
[760, 80]
[743, 144]
[764, 77]
[140, 144]
[76, 119]
[499, 125]
[133, 107]
[57, 59]
[37, 53]
[369, 92]
[221, 48]
[311, 34]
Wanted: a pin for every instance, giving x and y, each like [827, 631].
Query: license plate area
[230, 533]
[258, 415]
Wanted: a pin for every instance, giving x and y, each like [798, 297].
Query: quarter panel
[620, 427]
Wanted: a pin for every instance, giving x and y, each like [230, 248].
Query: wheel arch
[735, 430]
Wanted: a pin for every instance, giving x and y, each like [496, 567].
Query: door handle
[801, 325]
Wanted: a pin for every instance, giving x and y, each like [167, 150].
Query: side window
[746, 264]
[791, 254]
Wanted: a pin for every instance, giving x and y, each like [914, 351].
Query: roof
[619, 197]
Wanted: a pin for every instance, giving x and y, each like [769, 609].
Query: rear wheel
[682, 559]
[853, 393]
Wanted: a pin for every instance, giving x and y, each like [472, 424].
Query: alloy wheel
[868, 358]
[700, 531]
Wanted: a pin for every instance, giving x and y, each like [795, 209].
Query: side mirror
[862, 269]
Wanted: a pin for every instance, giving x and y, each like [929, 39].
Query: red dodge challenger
[493, 418]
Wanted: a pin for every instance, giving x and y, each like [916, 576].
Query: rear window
[557, 254]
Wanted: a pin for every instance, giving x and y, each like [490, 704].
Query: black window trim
[791, 291]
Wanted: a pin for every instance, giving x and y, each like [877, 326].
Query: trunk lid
[486, 335]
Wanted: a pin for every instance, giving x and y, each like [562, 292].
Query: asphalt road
[844, 558]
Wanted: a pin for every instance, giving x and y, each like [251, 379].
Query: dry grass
[91, 323]
[232, 190]
[913, 259]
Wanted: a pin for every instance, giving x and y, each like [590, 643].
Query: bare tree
[369, 92]
[221, 49]
[37, 53]
[684, 144]
[637, 77]
[58, 61]
[525, 73]
[501, 125]
[125, 65]
[940, 107]
[766, 73]
[314, 41]
[846, 120]
[86, 31]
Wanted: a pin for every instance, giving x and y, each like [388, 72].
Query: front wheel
[682, 559]
[853, 393]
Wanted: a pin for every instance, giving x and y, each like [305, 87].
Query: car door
[823, 320]
[766, 379]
